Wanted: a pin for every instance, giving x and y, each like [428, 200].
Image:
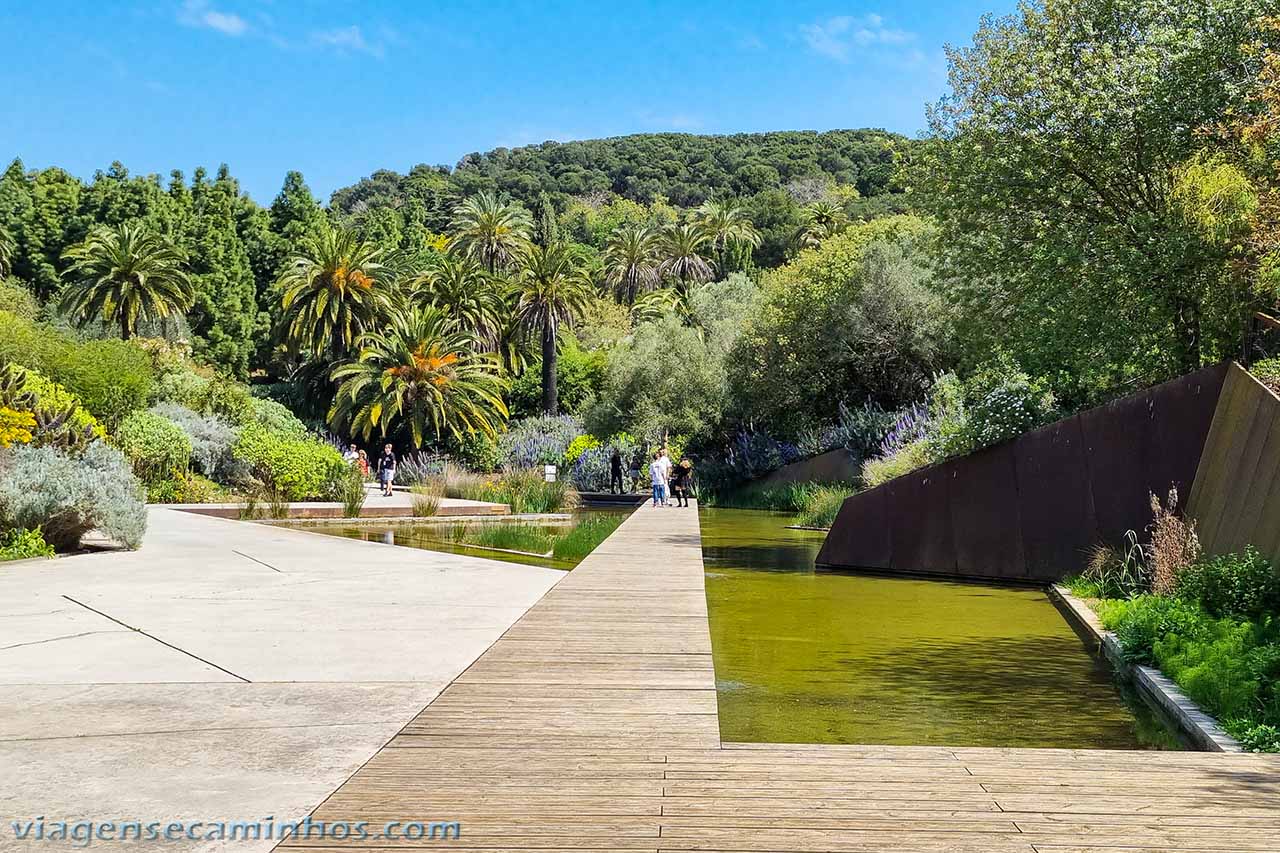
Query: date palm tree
[683, 248]
[467, 292]
[553, 286]
[332, 292]
[728, 226]
[822, 219]
[631, 261]
[422, 372]
[492, 232]
[124, 275]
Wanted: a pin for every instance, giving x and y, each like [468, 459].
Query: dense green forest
[685, 169]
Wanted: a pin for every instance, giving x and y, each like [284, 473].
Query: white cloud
[198, 13]
[347, 38]
[841, 37]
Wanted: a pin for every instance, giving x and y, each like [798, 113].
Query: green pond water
[433, 536]
[819, 657]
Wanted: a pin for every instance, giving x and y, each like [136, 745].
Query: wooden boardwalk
[591, 725]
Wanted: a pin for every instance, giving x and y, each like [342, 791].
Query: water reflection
[829, 658]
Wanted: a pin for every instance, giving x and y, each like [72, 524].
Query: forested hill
[684, 168]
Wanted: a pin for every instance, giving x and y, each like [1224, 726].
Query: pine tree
[225, 314]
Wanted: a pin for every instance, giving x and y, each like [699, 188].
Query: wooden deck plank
[591, 725]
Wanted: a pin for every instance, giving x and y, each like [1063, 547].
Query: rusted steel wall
[1030, 509]
[1236, 497]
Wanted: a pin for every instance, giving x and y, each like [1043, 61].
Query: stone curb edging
[1157, 688]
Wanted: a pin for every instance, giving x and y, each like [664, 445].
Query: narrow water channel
[817, 657]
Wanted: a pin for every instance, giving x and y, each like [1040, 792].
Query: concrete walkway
[227, 670]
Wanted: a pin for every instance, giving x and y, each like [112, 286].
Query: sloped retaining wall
[1029, 509]
[1236, 497]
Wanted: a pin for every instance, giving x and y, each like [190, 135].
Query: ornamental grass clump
[351, 492]
[1174, 545]
[425, 499]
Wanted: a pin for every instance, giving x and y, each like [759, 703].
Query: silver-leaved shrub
[68, 495]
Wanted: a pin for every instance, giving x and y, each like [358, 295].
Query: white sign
[549, 473]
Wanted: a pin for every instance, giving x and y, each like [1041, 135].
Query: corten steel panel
[920, 522]
[1115, 442]
[859, 537]
[1231, 425]
[1184, 410]
[984, 514]
[1076, 482]
[1054, 499]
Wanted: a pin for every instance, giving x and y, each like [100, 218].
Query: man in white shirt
[658, 475]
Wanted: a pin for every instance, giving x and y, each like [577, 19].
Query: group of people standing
[386, 469]
[669, 479]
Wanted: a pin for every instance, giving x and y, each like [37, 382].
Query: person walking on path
[387, 470]
[682, 481]
[665, 459]
[658, 475]
[615, 472]
[363, 462]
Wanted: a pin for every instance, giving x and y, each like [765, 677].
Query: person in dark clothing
[682, 481]
[615, 472]
[387, 470]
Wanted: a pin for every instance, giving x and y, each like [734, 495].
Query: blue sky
[339, 89]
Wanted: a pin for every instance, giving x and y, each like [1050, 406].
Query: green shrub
[184, 487]
[477, 451]
[275, 416]
[1213, 666]
[23, 544]
[1233, 585]
[909, 458]
[154, 444]
[1139, 622]
[211, 438]
[184, 386]
[1268, 372]
[227, 399]
[112, 378]
[823, 505]
[297, 467]
[1255, 737]
[576, 448]
[66, 495]
[18, 300]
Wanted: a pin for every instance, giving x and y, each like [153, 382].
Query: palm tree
[728, 226]
[553, 286]
[333, 292]
[125, 275]
[631, 261]
[468, 293]
[822, 219]
[490, 231]
[422, 371]
[682, 258]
